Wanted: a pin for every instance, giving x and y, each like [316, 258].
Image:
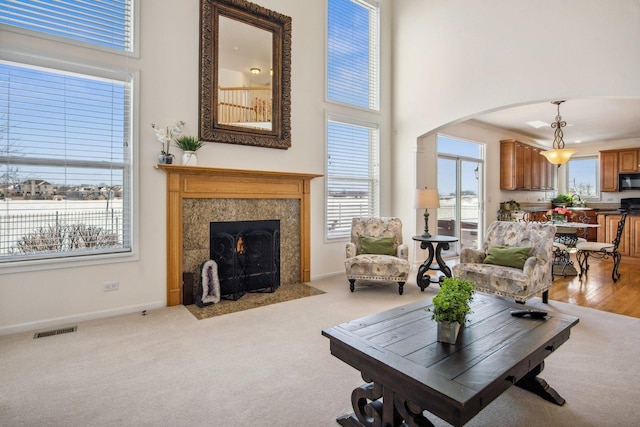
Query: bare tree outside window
[582, 177]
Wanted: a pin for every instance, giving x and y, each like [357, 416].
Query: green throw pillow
[507, 256]
[377, 245]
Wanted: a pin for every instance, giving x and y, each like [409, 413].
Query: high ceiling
[588, 120]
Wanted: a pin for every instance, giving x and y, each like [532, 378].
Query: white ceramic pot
[189, 158]
[448, 332]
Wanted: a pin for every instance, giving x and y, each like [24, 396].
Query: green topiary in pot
[452, 303]
[189, 143]
[563, 200]
[451, 306]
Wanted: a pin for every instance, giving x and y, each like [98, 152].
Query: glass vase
[559, 217]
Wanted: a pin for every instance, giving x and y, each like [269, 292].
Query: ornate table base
[442, 242]
[375, 405]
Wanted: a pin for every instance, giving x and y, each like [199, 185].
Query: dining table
[565, 241]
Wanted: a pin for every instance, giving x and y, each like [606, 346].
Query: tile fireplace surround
[198, 195]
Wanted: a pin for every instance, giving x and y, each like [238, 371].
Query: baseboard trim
[68, 320]
[327, 275]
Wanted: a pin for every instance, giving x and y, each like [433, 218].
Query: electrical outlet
[110, 286]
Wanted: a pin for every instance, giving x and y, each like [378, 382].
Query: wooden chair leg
[352, 284]
[400, 287]
[545, 297]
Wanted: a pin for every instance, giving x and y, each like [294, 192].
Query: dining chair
[601, 250]
[538, 217]
[583, 233]
[564, 243]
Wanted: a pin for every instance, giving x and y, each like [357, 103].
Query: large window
[352, 178]
[352, 174]
[353, 52]
[98, 23]
[582, 177]
[65, 136]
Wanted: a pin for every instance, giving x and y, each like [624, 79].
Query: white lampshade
[427, 198]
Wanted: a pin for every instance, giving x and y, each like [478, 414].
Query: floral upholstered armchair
[376, 252]
[515, 260]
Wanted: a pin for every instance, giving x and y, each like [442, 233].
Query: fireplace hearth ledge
[189, 182]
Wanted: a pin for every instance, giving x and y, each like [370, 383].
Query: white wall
[453, 60]
[168, 92]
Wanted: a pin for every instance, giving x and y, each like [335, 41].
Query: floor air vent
[55, 332]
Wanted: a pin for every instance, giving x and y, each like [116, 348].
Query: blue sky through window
[66, 120]
[583, 176]
[447, 167]
[349, 77]
[99, 22]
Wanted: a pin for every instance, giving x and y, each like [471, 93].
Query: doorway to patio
[460, 184]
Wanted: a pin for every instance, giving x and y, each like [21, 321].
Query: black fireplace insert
[248, 256]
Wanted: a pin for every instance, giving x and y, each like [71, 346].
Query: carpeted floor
[254, 299]
[271, 366]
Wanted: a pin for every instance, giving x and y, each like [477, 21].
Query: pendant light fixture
[558, 155]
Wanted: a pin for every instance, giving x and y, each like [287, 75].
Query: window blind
[353, 53]
[352, 175]
[65, 163]
[106, 23]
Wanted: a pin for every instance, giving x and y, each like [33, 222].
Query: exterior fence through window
[60, 231]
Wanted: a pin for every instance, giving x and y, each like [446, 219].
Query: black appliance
[629, 181]
[631, 204]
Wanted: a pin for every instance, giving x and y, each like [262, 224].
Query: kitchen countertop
[571, 208]
[631, 213]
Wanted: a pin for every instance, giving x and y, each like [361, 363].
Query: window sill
[56, 263]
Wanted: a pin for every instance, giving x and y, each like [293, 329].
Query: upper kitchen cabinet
[628, 161]
[608, 171]
[615, 162]
[522, 167]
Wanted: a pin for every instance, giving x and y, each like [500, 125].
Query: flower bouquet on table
[560, 214]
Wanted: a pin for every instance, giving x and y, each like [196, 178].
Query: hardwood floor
[597, 290]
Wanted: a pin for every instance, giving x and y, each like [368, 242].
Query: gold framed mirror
[245, 74]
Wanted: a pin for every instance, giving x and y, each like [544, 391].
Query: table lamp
[425, 199]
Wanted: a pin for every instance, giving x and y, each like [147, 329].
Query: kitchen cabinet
[615, 162]
[609, 170]
[609, 228]
[551, 174]
[628, 161]
[536, 177]
[526, 168]
[634, 236]
[522, 167]
[542, 170]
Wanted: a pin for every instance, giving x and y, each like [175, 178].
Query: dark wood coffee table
[408, 371]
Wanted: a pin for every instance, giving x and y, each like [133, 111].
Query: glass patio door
[460, 187]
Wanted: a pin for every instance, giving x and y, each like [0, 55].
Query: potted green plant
[189, 145]
[510, 205]
[451, 306]
[561, 200]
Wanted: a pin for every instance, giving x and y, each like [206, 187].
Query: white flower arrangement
[166, 134]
